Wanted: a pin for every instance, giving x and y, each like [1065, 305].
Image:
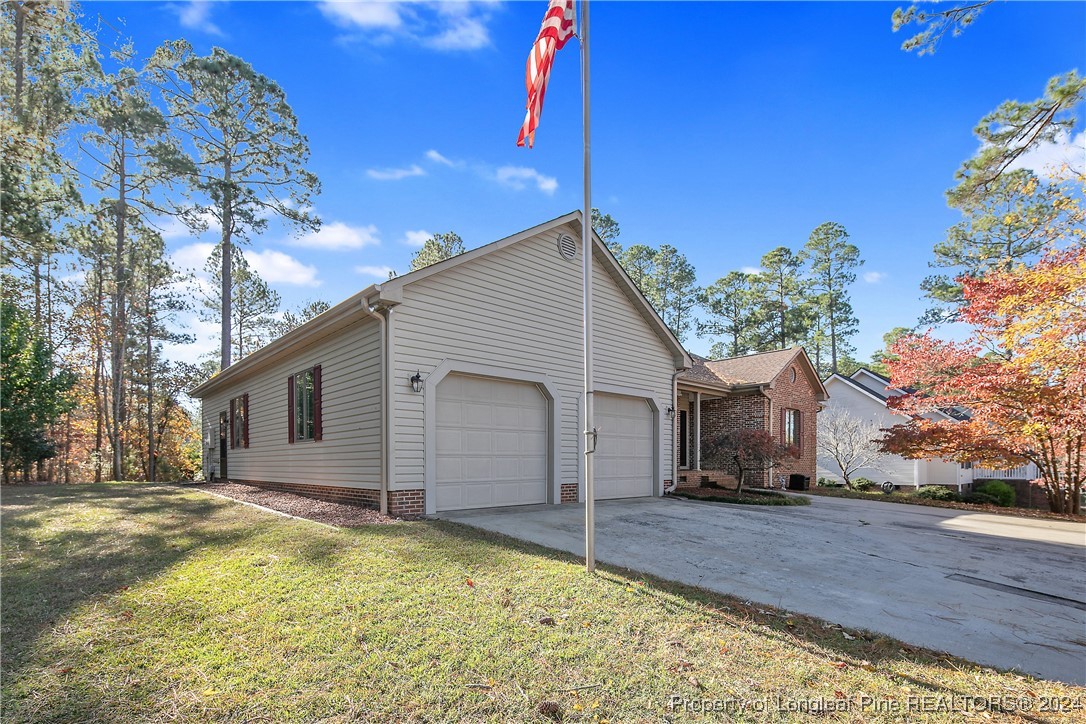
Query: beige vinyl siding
[349, 453]
[894, 468]
[520, 308]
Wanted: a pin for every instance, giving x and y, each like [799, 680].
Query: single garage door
[491, 443]
[624, 452]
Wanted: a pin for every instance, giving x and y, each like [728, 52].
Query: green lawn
[131, 602]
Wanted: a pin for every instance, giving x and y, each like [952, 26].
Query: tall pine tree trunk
[119, 327]
[148, 322]
[99, 361]
[227, 263]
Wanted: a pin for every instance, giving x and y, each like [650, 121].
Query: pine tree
[783, 306]
[833, 262]
[730, 304]
[253, 304]
[251, 157]
[438, 247]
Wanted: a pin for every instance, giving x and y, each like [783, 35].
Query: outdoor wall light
[416, 381]
[671, 413]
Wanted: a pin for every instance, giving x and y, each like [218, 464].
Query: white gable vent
[567, 247]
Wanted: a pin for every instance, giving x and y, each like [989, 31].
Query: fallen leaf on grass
[546, 621]
[65, 670]
[839, 695]
[549, 709]
[471, 583]
[839, 665]
[681, 666]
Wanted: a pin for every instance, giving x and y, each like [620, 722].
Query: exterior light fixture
[671, 413]
[416, 381]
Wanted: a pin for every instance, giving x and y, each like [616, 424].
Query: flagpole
[586, 253]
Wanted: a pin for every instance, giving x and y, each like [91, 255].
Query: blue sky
[724, 129]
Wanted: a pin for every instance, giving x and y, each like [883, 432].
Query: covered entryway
[625, 456]
[492, 443]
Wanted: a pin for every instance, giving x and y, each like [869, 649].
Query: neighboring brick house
[777, 391]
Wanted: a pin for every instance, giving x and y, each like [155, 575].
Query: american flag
[557, 28]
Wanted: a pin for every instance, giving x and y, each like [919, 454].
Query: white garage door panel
[624, 454]
[491, 443]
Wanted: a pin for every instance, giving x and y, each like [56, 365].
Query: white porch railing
[1023, 472]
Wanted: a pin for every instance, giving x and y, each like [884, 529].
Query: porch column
[696, 443]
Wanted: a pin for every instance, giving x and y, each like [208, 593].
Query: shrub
[980, 499]
[827, 483]
[863, 484]
[937, 492]
[1004, 494]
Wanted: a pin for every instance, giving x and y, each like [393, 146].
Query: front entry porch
[688, 442]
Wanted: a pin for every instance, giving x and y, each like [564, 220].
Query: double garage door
[493, 446]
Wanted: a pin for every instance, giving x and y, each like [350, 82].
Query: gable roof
[751, 370]
[391, 293]
[876, 396]
[881, 398]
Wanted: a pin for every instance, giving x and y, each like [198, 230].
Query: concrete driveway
[998, 590]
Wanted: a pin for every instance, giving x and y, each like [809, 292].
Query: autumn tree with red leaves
[1021, 375]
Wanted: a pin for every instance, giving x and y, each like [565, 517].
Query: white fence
[1023, 472]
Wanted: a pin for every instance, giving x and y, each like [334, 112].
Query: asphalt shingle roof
[751, 369]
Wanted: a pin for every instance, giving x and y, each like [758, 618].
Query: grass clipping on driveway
[137, 602]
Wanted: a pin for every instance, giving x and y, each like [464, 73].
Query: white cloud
[439, 25]
[395, 174]
[338, 236]
[438, 158]
[750, 270]
[518, 177]
[196, 15]
[277, 267]
[171, 227]
[192, 257]
[1046, 158]
[874, 277]
[362, 14]
[381, 272]
[416, 238]
[461, 34]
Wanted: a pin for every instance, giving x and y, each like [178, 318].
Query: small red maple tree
[746, 451]
[1021, 376]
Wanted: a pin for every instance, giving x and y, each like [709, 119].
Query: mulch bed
[342, 515]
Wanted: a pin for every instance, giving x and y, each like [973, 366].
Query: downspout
[675, 408]
[386, 412]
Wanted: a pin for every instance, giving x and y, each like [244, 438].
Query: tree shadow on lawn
[867, 650]
[54, 563]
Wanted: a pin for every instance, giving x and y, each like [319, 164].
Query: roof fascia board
[288, 343]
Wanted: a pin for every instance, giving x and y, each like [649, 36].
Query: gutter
[380, 313]
[675, 407]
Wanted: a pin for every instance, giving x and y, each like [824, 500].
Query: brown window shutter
[233, 413]
[290, 409]
[245, 420]
[318, 421]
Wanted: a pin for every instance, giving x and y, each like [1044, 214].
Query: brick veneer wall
[569, 492]
[401, 503]
[798, 395]
[733, 412]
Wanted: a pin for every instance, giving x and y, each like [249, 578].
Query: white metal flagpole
[586, 254]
